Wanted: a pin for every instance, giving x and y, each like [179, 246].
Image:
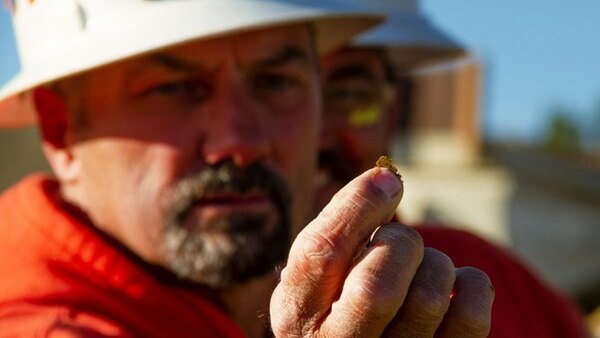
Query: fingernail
[387, 181]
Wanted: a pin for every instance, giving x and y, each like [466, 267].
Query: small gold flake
[386, 162]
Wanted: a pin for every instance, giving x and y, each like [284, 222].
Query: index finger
[323, 252]
[344, 225]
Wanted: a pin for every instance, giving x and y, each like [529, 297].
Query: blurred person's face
[200, 158]
[358, 118]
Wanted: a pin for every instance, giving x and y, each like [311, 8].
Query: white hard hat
[411, 38]
[60, 38]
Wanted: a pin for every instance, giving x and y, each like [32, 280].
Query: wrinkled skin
[354, 80]
[393, 287]
[334, 286]
[122, 139]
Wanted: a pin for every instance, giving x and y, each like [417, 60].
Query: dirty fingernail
[387, 181]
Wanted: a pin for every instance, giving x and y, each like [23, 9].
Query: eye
[336, 94]
[352, 95]
[265, 83]
[195, 90]
[343, 96]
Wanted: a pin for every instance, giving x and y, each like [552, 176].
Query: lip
[250, 202]
[206, 212]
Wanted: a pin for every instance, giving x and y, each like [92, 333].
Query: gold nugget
[385, 162]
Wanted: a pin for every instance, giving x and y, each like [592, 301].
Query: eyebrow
[288, 54]
[173, 63]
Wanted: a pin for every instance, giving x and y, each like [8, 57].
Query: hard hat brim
[412, 40]
[162, 24]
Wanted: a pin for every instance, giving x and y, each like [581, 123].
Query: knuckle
[473, 321]
[430, 291]
[373, 303]
[430, 306]
[399, 236]
[474, 311]
[401, 251]
[476, 280]
[380, 289]
[320, 252]
[474, 326]
[438, 267]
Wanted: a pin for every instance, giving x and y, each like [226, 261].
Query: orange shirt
[60, 278]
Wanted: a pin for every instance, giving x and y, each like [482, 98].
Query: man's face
[357, 118]
[192, 156]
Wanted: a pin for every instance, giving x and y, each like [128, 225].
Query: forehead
[245, 47]
[352, 63]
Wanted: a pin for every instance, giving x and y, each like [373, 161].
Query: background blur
[504, 141]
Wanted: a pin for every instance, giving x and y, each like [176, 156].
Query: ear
[53, 117]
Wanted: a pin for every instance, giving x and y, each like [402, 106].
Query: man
[182, 136]
[362, 99]
[17, 111]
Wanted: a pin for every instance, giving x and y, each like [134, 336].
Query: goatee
[237, 247]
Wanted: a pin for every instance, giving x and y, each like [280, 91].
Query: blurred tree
[596, 122]
[562, 135]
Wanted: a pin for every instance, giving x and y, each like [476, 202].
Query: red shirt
[524, 306]
[59, 278]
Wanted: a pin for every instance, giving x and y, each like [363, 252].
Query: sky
[537, 54]
[8, 55]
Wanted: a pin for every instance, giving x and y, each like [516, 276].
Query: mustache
[227, 178]
[250, 249]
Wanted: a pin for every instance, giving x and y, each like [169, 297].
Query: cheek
[150, 170]
[155, 171]
[294, 137]
[295, 143]
[129, 178]
[130, 161]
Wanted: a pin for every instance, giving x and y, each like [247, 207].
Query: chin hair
[219, 260]
[235, 248]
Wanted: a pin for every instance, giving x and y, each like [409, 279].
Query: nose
[238, 129]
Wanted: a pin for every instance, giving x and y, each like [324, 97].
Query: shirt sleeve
[30, 320]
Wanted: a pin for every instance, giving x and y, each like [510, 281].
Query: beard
[233, 248]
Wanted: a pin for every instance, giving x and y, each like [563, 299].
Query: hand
[335, 285]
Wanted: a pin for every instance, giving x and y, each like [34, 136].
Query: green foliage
[562, 135]
[596, 122]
